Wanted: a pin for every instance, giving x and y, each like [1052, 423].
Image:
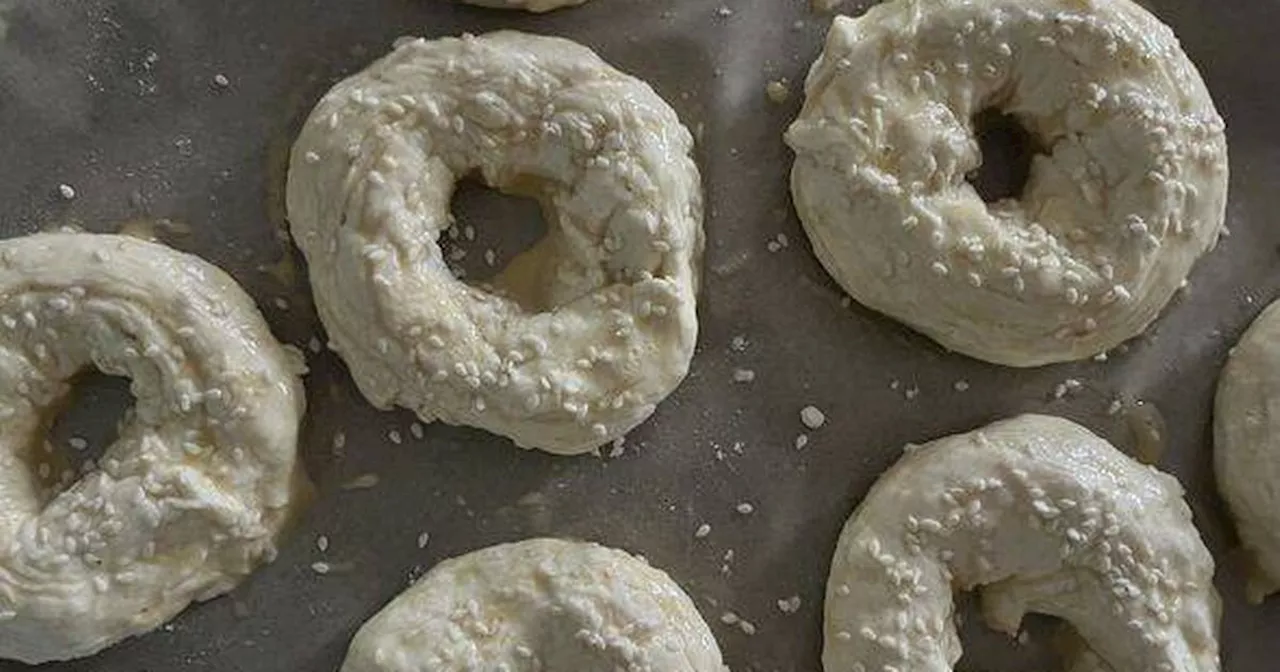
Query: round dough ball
[583, 334]
[540, 604]
[1129, 191]
[1040, 515]
[192, 495]
[1246, 429]
[536, 6]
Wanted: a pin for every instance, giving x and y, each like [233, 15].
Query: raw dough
[1043, 516]
[1246, 429]
[592, 327]
[191, 496]
[540, 604]
[1130, 190]
[527, 5]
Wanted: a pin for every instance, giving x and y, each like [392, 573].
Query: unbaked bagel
[605, 324]
[537, 6]
[540, 604]
[192, 495]
[1041, 515]
[1247, 446]
[1130, 190]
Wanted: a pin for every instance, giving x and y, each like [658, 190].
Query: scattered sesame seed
[417, 430]
[321, 567]
[220, 80]
[961, 385]
[724, 12]
[702, 531]
[394, 436]
[812, 417]
[361, 482]
[789, 605]
[314, 345]
[282, 303]
[729, 618]
[66, 191]
[423, 539]
[1066, 387]
[743, 375]
[802, 440]
[745, 508]
[322, 543]
[77, 443]
[777, 91]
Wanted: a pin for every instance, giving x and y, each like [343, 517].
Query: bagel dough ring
[192, 495]
[1247, 446]
[536, 6]
[1129, 192]
[605, 324]
[539, 604]
[1044, 516]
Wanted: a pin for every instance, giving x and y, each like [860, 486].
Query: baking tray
[125, 102]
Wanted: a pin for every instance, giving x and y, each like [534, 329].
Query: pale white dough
[1246, 428]
[527, 5]
[605, 324]
[540, 604]
[192, 495]
[1130, 191]
[1042, 516]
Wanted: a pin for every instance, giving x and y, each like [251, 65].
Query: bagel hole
[86, 423]
[1007, 151]
[986, 650]
[491, 230]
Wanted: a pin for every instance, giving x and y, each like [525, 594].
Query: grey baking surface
[116, 98]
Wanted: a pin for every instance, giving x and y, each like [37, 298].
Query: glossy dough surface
[1246, 428]
[583, 334]
[1042, 516]
[1129, 190]
[540, 604]
[192, 495]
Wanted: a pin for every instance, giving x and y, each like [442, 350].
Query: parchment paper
[153, 109]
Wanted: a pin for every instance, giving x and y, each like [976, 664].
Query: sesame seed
[789, 605]
[66, 191]
[702, 531]
[745, 508]
[395, 437]
[777, 91]
[322, 543]
[361, 482]
[423, 539]
[321, 568]
[743, 375]
[812, 417]
[802, 440]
